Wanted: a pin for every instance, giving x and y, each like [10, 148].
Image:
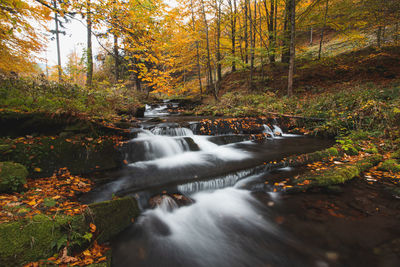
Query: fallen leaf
[92, 227]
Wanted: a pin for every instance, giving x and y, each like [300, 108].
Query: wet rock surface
[171, 201]
[357, 226]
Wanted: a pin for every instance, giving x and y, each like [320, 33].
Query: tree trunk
[115, 48]
[396, 34]
[197, 51]
[210, 78]
[311, 36]
[379, 35]
[323, 29]
[233, 32]
[287, 33]
[252, 42]
[218, 41]
[116, 58]
[261, 44]
[246, 43]
[89, 74]
[58, 43]
[292, 47]
[271, 32]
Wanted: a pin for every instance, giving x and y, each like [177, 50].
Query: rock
[140, 112]
[29, 240]
[169, 202]
[78, 155]
[12, 177]
[16, 124]
[390, 165]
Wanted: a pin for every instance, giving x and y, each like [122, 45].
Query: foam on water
[172, 131]
[157, 146]
[204, 231]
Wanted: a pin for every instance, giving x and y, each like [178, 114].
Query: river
[234, 218]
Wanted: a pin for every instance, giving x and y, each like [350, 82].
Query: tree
[89, 53]
[19, 39]
[197, 49]
[75, 69]
[323, 29]
[233, 14]
[210, 78]
[292, 46]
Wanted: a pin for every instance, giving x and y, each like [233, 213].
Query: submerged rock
[169, 202]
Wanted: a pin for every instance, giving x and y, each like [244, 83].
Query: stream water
[232, 220]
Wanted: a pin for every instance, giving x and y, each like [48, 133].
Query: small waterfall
[278, 131]
[172, 131]
[157, 110]
[148, 146]
[273, 133]
[167, 203]
[216, 183]
[268, 131]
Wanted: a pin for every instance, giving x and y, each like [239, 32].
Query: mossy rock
[48, 154]
[5, 148]
[390, 165]
[15, 124]
[396, 155]
[112, 216]
[294, 161]
[338, 175]
[33, 239]
[12, 177]
[351, 151]
[333, 151]
[372, 150]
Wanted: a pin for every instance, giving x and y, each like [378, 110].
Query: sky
[75, 38]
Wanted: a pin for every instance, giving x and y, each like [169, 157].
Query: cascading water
[222, 228]
[151, 147]
[225, 225]
[172, 131]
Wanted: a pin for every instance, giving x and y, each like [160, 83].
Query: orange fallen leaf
[92, 227]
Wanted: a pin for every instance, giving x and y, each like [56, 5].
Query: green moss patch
[337, 175]
[42, 236]
[390, 165]
[29, 240]
[43, 156]
[396, 155]
[112, 216]
[12, 177]
[304, 159]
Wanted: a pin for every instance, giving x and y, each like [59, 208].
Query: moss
[351, 150]
[333, 151]
[294, 161]
[396, 155]
[111, 217]
[5, 148]
[49, 154]
[15, 124]
[338, 175]
[372, 150]
[12, 177]
[29, 240]
[390, 165]
[33, 239]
